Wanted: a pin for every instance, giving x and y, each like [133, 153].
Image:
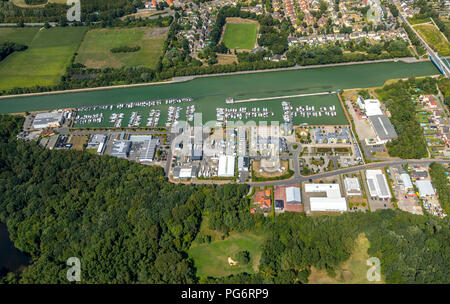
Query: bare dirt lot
[226, 59]
[78, 141]
[240, 20]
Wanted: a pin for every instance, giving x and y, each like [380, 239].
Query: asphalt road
[298, 178]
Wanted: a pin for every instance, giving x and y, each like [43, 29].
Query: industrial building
[383, 128]
[380, 123]
[185, 172]
[331, 201]
[406, 181]
[226, 166]
[48, 120]
[121, 148]
[97, 141]
[425, 188]
[378, 186]
[148, 150]
[352, 186]
[243, 163]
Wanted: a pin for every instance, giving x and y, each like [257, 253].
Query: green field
[44, 62]
[240, 36]
[434, 38]
[417, 20]
[212, 259]
[352, 271]
[95, 51]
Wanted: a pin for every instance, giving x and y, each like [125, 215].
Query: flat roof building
[48, 120]
[226, 166]
[332, 201]
[378, 186]
[328, 204]
[243, 163]
[383, 127]
[279, 205]
[406, 181]
[425, 188]
[148, 150]
[121, 148]
[352, 186]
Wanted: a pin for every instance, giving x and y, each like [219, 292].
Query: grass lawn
[240, 36]
[44, 62]
[434, 38]
[212, 259]
[95, 51]
[417, 20]
[353, 271]
[78, 141]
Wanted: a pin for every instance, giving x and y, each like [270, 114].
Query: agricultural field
[434, 38]
[44, 62]
[352, 271]
[95, 51]
[22, 3]
[212, 259]
[241, 36]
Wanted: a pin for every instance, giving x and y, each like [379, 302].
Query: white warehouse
[332, 201]
[226, 166]
[48, 120]
[378, 186]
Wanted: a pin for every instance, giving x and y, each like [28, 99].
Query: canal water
[11, 259]
[211, 92]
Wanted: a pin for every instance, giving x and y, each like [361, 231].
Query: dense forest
[8, 48]
[333, 52]
[129, 225]
[397, 98]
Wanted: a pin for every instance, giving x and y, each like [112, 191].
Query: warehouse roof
[406, 180]
[378, 185]
[328, 204]
[425, 188]
[226, 166]
[293, 194]
[383, 127]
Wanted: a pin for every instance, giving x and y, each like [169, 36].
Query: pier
[283, 97]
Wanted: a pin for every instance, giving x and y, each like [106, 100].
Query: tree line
[8, 47]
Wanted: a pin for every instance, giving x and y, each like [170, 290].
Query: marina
[211, 92]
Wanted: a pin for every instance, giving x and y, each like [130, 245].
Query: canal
[209, 92]
[11, 259]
